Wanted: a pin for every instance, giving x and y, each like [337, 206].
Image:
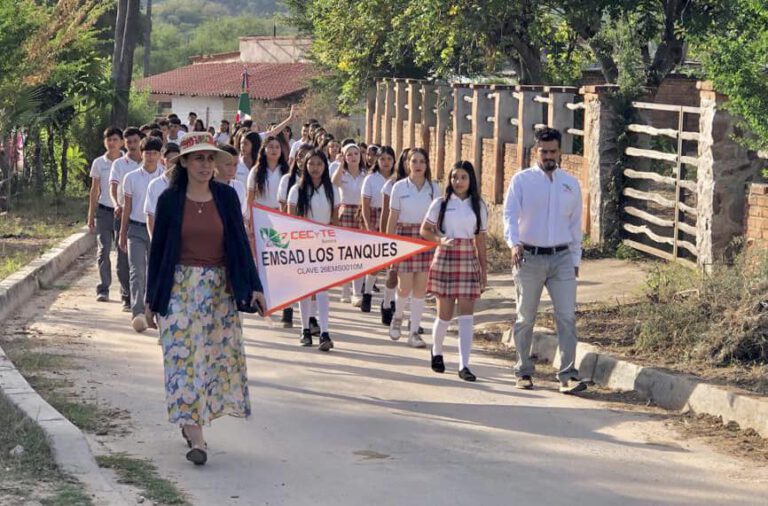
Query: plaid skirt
[417, 263]
[455, 271]
[350, 217]
[375, 218]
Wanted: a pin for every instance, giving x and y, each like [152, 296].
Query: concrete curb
[677, 392]
[69, 446]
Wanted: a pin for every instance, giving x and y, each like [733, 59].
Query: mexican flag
[244, 105]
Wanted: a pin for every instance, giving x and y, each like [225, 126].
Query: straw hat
[200, 141]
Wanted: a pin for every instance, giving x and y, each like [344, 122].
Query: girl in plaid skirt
[457, 221]
[372, 204]
[409, 202]
[349, 180]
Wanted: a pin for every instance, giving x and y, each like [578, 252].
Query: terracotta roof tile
[266, 81]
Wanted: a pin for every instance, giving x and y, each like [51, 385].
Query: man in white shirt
[101, 211]
[222, 137]
[134, 238]
[305, 139]
[175, 133]
[542, 225]
[120, 167]
[191, 118]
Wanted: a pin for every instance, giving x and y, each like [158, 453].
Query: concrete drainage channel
[675, 392]
[68, 444]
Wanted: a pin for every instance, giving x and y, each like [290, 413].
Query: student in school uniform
[316, 198]
[457, 222]
[410, 200]
[250, 145]
[134, 237]
[159, 185]
[101, 210]
[264, 177]
[130, 161]
[380, 174]
[349, 178]
[226, 170]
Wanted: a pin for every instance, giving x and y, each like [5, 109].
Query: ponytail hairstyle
[255, 139]
[307, 189]
[298, 165]
[402, 166]
[428, 172]
[473, 193]
[261, 163]
[386, 150]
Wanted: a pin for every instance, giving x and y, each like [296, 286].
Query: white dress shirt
[100, 169]
[154, 190]
[135, 186]
[543, 212]
[120, 168]
[319, 206]
[460, 220]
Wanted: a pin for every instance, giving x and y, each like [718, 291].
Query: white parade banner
[297, 257]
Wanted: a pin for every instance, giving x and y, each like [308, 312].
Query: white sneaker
[415, 341]
[357, 301]
[395, 328]
[139, 323]
[344, 299]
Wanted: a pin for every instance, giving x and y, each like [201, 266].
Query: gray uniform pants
[107, 232]
[138, 257]
[557, 273]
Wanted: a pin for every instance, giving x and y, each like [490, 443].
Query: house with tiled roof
[278, 76]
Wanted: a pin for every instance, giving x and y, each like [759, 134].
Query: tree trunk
[52, 162]
[37, 168]
[64, 163]
[147, 37]
[122, 7]
[122, 66]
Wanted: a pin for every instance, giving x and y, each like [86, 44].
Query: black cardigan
[165, 248]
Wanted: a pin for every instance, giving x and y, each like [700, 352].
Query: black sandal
[197, 456]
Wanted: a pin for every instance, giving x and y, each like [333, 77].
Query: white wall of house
[209, 109]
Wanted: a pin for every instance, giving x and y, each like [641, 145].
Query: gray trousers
[138, 257]
[107, 232]
[557, 273]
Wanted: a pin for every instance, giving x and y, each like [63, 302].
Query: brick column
[559, 116]
[378, 112]
[444, 109]
[414, 111]
[503, 132]
[529, 113]
[401, 113]
[482, 109]
[370, 114]
[428, 115]
[389, 112]
[461, 125]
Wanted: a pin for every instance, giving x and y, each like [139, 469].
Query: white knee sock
[439, 328]
[369, 282]
[399, 304]
[304, 312]
[389, 296]
[417, 309]
[323, 310]
[346, 290]
[313, 308]
[357, 286]
[466, 324]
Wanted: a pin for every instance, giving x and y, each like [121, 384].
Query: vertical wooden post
[428, 115]
[504, 132]
[482, 109]
[400, 114]
[378, 112]
[414, 111]
[389, 111]
[462, 123]
[530, 113]
[444, 107]
[560, 117]
[370, 116]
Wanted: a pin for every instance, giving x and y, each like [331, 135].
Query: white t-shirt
[372, 186]
[282, 188]
[100, 169]
[242, 172]
[319, 207]
[269, 197]
[386, 190]
[411, 202]
[135, 186]
[221, 138]
[333, 167]
[156, 187]
[120, 168]
[240, 189]
[351, 188]
[460, 220]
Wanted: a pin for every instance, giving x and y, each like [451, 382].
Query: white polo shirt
[100, 169]
[351, 188]
[411, 202]
[135, 186]
[319, 207]
[372, 186]
[241, 194]
[120, 168]
[386, 190]
[242, 172]
[540, 212]
[221, 138]
[460, 220]
[269, 197]
[333, 167]
[156, 187]
[282, 188]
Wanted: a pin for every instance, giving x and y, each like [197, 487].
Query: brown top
[202, 235]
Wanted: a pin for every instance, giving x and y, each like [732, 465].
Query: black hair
[151, 144]
[171, 116]
[473, 193]
[192, 114]
[347, 140]
[156, 132]
[154, 126]
[224, 121]
[296, 169]
[199, 126]
[319, 137]
[113, 130]
[261, 163]
[401, 168]
[145, 127]
[229, 149]
[171, 147]
[428, 172]
[247, 123]
[130, 131]
[174, 120]
[255, 139]
[185, 128]
[306, 125]
[163, 122]
[547, 134]
[385, 150]
[307, 189]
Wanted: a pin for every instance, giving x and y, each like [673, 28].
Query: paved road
[369, 423]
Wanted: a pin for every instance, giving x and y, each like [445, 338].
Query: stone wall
[576, 166]
[756, 215]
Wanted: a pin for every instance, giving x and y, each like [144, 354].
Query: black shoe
[306, 338]
[314, 327]
[467, 375]
[437, 363]
[325, 342]
[287, 319]
[197, 456]
[376, 288]
[365, 307]
[386, 315]
[421, 330]
[524, 383]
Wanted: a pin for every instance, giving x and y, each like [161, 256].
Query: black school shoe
[386, 314]
[365, 307]
[287, 319]
[306, 338]
[438, 365]
[467, 375]
[325, 342]
[314, 327]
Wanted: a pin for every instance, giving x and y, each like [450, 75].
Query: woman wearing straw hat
[200, 273]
